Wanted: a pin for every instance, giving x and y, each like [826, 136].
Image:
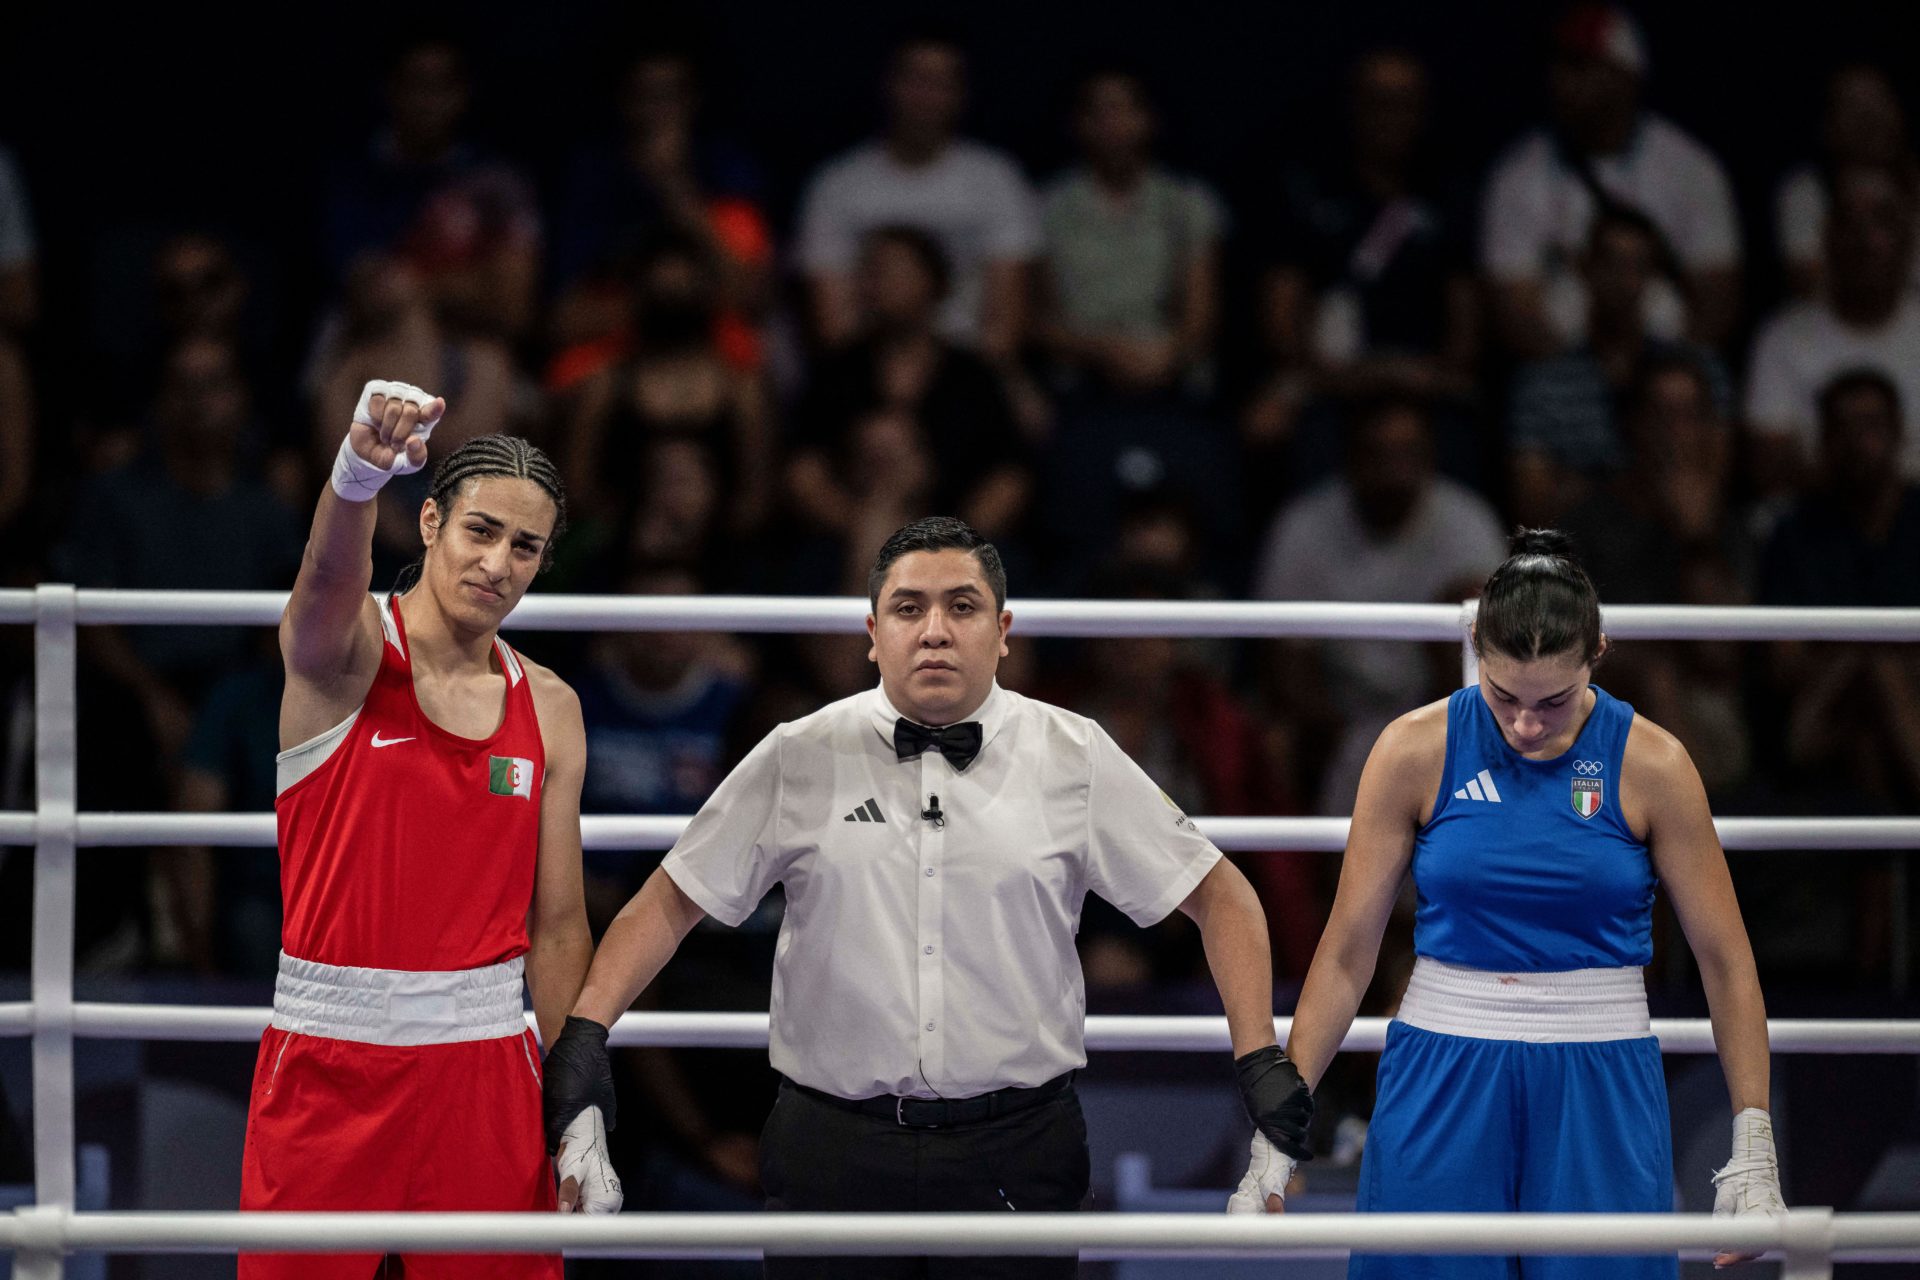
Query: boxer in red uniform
[429, 819]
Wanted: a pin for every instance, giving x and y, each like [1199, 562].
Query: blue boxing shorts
[1572, 1119]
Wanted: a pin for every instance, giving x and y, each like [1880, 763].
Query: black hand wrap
[578, 1076]
[1277, 1099]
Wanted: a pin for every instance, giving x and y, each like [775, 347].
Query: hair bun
[1540, 542]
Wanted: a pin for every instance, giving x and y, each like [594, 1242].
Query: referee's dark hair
[1540, 603]
[939, 533]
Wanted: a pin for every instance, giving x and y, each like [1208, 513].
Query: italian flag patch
[510, 776]
[1587, 794]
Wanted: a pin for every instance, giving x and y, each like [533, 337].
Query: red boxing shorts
[378, 1090]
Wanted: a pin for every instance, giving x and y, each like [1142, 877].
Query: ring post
[1808, 1239]
[56, 827]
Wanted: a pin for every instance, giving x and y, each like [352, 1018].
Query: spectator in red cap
[1603, 149]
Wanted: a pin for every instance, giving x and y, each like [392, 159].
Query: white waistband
[1538, 1008]
[397, 1007]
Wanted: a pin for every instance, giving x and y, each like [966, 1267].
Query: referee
[936, 838]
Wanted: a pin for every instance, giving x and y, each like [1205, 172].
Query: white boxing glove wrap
[1269, 1169]
[354, 478]
[1750, 1182]
[583, 1157]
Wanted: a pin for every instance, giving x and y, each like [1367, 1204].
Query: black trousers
[816, 1157]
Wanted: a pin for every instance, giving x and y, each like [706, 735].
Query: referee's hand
[1277, 1099]
[577, 1075]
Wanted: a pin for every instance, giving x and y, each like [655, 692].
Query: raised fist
[393, 420]
[387, 438]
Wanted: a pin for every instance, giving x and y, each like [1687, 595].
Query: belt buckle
[900, 1115]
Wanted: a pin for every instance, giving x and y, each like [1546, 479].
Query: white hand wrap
[583, 1157]
[354, 478]
[1750, 1183]
[1268, 1172]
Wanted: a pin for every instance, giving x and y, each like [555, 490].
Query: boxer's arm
[329, 635]
[1379, 851]
[559, 944]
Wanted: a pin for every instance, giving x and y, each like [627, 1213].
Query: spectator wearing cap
[972, 199]
[1865, 317]
[1602, 148]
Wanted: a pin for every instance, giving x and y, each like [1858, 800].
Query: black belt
[939, 1113]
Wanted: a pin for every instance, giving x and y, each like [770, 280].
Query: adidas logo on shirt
[1479, 788]
[868, 812]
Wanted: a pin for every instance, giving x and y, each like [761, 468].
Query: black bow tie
[959, 743]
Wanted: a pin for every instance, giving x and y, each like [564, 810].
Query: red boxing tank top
[409, 847]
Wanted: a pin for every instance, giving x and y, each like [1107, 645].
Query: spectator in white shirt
[1387, 530]
[1864, 123]
[1604, 148]
[1866, 318]
[970, 197]
[937, 838]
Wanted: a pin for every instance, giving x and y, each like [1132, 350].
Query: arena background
[131, 126]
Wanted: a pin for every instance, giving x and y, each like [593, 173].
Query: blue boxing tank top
[1528, 865]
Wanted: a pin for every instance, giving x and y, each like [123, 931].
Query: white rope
[1105, 1032]
[1885, 1237]
[1089, 1234]
[826, 614]
[1252, 835]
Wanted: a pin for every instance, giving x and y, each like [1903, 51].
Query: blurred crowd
[1345, 383]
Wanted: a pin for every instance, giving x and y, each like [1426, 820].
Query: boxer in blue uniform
[1537, 815]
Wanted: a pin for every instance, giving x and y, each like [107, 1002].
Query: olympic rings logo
[1588, 768]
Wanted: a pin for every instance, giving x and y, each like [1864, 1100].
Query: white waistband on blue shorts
[1538, 1008]
[398, 1007]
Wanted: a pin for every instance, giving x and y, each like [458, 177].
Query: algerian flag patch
[510, 776]
[1587, 795]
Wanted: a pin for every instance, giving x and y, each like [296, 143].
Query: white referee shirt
[928, 959]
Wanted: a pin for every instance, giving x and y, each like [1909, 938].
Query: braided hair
[499, 455]
[1539, 603]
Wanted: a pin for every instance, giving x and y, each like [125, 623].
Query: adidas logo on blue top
[1479, 788]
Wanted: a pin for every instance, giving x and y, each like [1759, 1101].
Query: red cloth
[340, 1125]
[407, 855]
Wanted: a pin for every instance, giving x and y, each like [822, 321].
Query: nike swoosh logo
[378, 741]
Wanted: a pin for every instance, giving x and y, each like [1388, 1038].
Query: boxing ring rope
[1161, 1033]
[40, 1234]
[1808, 1238]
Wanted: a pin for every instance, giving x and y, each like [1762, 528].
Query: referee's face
[937, 637]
